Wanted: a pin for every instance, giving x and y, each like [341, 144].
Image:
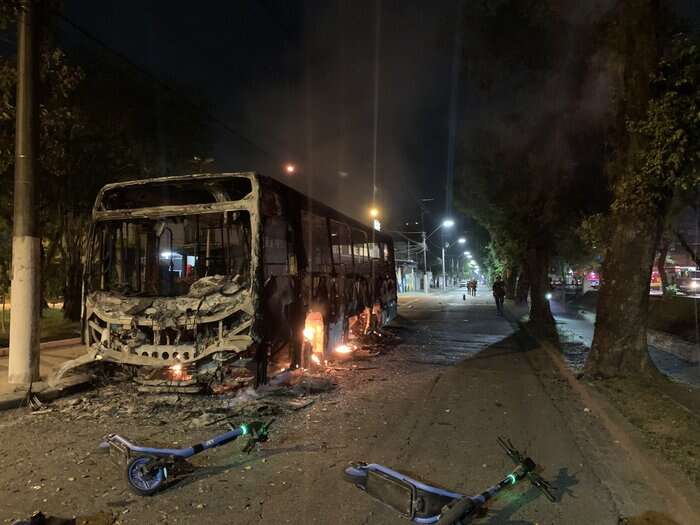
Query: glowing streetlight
[448, 223]
[374, 213]
[467, 254]
[290, 168]
[462, 240]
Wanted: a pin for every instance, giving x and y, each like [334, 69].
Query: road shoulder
[637, 476]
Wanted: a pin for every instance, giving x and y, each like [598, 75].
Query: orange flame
[178, 373]
[343, 349]
[315, 359]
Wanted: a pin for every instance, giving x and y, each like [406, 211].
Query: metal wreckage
[192, 274]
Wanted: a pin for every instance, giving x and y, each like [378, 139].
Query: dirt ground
[669, 428]
[432, 406]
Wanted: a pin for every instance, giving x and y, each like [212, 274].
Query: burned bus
[200, 270]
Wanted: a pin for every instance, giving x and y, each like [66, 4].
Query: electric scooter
[427, 504]
[148, 468]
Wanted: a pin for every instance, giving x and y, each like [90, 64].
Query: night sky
[298, 79]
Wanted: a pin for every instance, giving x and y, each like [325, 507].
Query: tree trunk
[620, 339]
[538, 273]
[511, 279]
[73, 291]
[74, 236]
[523, 287]
[688, 248]
[661, 264]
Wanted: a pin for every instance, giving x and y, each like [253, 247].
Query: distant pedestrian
[499, 293]
[474, 285]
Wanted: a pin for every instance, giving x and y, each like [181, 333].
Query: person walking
[474, 285]
[499, 293]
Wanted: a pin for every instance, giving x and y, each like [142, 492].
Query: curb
[46, 345]
[70, 386]
[652, 465]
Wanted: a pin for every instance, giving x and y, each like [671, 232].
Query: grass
[666, 426]
[675, 315]
[53, 327]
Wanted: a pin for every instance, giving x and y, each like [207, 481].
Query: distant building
[409, 273]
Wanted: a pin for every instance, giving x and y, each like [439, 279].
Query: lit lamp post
[447, 223]
[374, 214]
[290, 169]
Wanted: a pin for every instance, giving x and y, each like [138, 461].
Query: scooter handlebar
[259, 433]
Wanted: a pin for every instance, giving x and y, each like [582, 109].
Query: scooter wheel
[144, 479]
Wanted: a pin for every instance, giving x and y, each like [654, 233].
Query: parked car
[689, 282]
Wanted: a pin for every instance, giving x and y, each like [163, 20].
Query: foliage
[494, 264]
[594, 232]
[672, 289]
[97, 124]
[532, 167]
[669, 164]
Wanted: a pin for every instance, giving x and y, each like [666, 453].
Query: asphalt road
[431, 407]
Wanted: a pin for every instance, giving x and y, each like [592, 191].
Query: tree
[98, 123]
[655, 161]
[533, 162]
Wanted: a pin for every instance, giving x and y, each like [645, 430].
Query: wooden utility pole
[24, 320]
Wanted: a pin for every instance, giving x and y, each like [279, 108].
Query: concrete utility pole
[24, 323]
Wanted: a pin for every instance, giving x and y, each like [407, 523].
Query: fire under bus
[200, 272]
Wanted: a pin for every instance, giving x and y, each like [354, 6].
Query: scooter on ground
[427, 504]
[148, 468]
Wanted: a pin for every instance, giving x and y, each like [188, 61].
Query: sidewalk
[576, 329]
[670, 354]
[53, 355]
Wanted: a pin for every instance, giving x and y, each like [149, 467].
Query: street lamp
[461, 240]
[447, 223]
[374, 213]
[290, 168]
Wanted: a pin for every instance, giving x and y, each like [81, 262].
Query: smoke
[322, 114]
[545, 86]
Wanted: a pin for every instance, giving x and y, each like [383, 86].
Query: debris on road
[39, 518]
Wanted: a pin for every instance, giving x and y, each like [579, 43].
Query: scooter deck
[413, 499]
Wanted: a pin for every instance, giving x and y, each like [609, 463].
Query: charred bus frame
[203, 269]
